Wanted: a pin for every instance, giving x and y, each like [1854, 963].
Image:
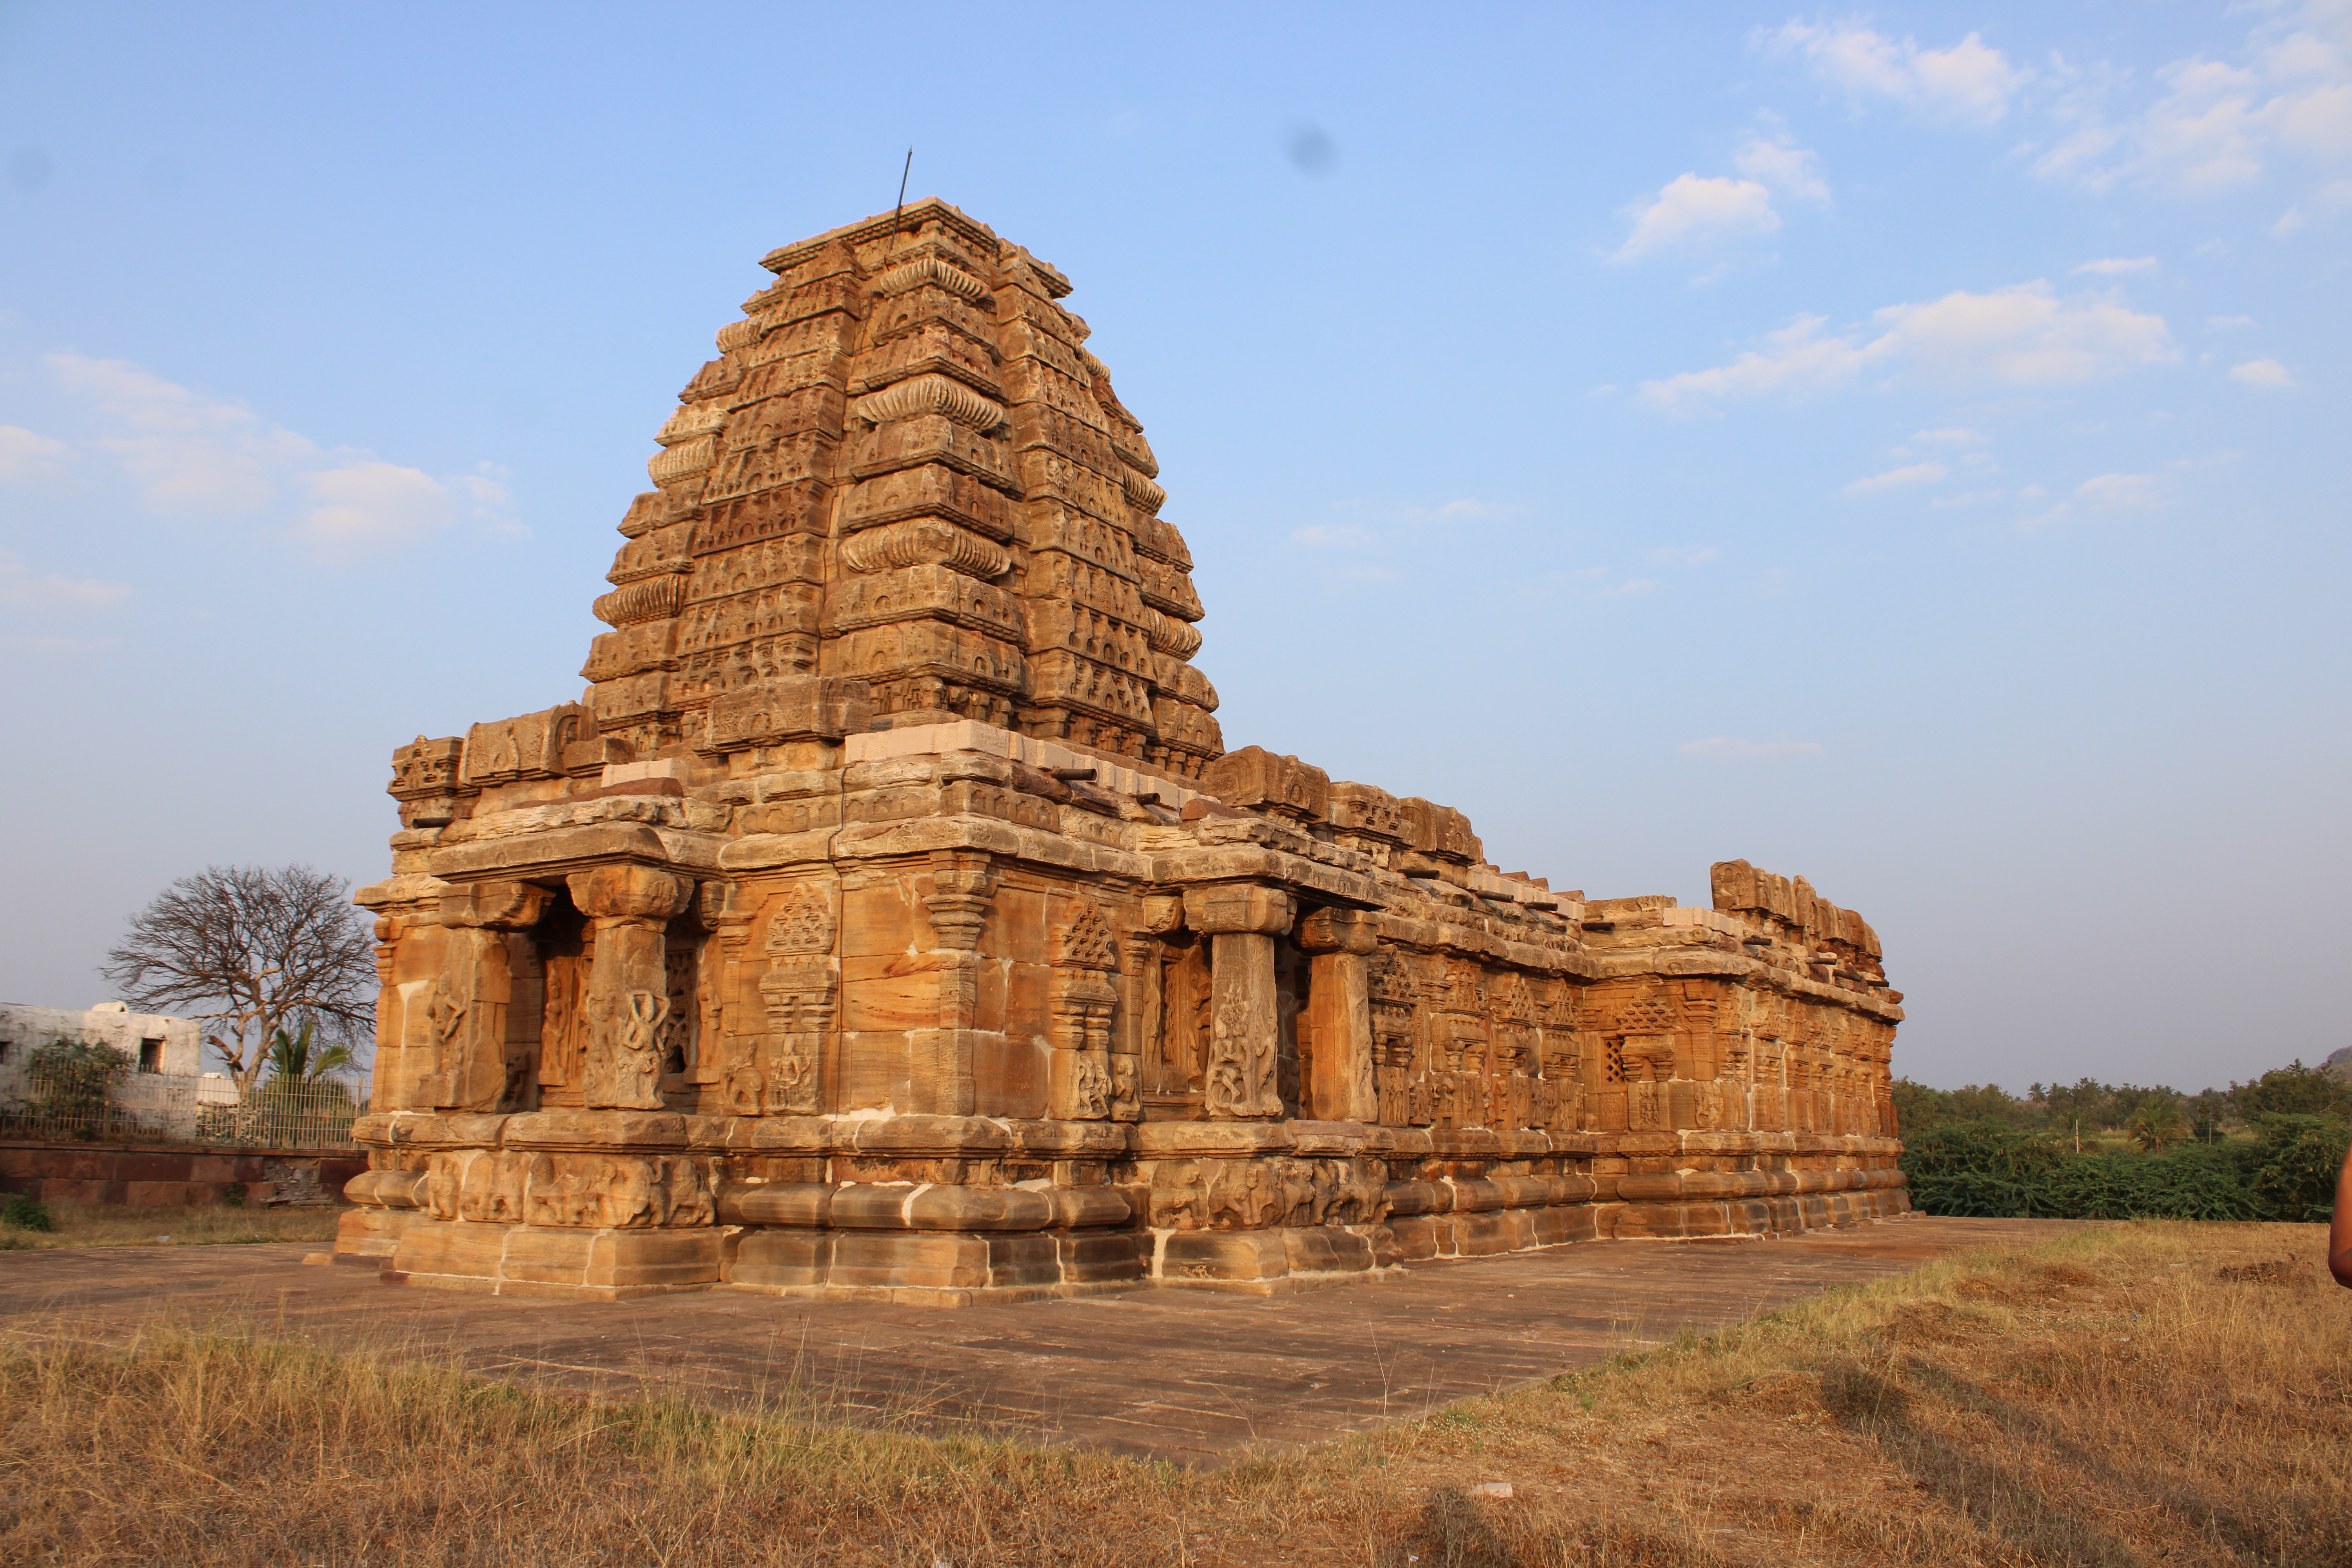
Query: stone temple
[889, 917]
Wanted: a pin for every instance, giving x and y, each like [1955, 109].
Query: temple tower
[905, 469]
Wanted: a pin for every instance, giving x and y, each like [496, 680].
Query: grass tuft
[120, 1225]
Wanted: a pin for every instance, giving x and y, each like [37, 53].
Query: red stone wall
[158, 1178]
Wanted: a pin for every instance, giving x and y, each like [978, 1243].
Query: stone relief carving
[798, 994]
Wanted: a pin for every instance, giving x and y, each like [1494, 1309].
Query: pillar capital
[1356, 932]
[629, 892]
[502, 906]
[1223, 909]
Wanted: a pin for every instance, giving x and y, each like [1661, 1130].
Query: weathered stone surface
[887, 918]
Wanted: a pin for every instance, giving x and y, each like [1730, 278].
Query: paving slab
[1189, 1377]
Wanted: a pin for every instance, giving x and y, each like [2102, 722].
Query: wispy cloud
[2121, 492]
[1968, 83]
[2265, 374]
[27, 459]
[2116, 266]
[1769, 155]
[188, 455]
[2215, 125]
[2022, 336]
[1731, 749]
[21, 588]
[1896, 478]
[1684, 554]
[2328, 201]
[2111, 493]
[1692, 212]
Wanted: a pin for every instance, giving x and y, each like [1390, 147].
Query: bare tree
[251, 951]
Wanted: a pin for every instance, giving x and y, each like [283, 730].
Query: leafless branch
[251, 950]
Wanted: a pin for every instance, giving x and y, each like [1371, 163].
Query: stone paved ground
[1187, 1377]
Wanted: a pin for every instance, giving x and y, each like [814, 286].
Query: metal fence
[79, 1102]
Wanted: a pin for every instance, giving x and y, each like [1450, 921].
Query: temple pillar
[1339, 1085]
[629, 908]
[1078, 1082]
[940, 1065]
[467, 1009]
[1242, 920]
[797, 1001]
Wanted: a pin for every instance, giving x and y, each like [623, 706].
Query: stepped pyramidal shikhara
[887, 916]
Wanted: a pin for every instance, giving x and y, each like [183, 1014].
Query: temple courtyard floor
[1191, 1376]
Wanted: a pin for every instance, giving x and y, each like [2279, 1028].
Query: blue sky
[1905, 446]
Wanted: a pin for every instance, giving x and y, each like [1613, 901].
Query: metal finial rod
[902, 193]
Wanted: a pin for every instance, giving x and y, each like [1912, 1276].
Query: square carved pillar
[940, 1065]
[468, 1007]
[1339, 1085]
[797, 997]
[1241, 920]
[1079, 1082]
[630, 908]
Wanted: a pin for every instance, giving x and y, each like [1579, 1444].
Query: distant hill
[2340, 1064]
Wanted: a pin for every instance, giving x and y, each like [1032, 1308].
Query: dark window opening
[150, 1056]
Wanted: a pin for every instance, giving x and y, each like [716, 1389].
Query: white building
[154, 1043]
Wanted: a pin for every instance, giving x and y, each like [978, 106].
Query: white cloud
[1692, 212]
[189, 455]
[1771, 155]
[2217, 126]
[2019, 336]
[1970, 83]
[2111, 267]
[27, 459]
[1634, 585]
[1949, 435]
[1730, 749]
[2267, 373]
[2227, 323]
[1797, 359]
[20, 589]
[369, 504]
[1684, 554]
[2121, 492]
[1895, 479]
[2324, 203]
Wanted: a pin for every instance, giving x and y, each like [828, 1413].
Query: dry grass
[119, 1225]
[2111, 1399]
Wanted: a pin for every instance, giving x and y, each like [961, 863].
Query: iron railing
[89, 1103]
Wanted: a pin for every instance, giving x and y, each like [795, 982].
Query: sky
[1905, 447]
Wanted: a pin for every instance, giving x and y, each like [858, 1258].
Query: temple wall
[969, 1024]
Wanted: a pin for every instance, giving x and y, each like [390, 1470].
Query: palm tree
[300, 1059]
[2158, 1125]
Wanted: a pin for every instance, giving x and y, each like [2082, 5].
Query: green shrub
[1990, 1170]
[77, 1081]
[22, 1212]
[2302, 1157]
